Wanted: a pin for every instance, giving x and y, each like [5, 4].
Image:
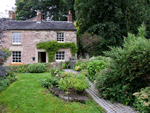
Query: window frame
[16, 37]
[60, 37]
[61, 56]
[16, 58]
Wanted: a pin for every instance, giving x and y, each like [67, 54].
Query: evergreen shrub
[129, 70]
[36, 68]
[93, 67]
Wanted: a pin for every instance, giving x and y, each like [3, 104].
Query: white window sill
[60, 60]
[60, 41]
[16, 43]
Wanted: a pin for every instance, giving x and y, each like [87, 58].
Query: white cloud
[6, 5]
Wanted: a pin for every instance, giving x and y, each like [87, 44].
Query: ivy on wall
[51, 48]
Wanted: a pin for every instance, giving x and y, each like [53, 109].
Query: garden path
[105, 104]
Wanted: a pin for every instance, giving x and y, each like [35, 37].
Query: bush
[142, 100]
[93, 67]
[36, 68]
[54, 71]
[85, 72]
[6, 81]
[80, 65]
[18, 68]
[107, 60]
[50, 82]
[129, 70]
[77, 82]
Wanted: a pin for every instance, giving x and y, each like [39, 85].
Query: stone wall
[29, 39]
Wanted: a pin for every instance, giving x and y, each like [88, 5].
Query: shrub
[85, 72]
[18, 68]
[142, 100]
[93, 67]
[54, 71]
[6, 81]
[36, 68]
[50, 82]
[80, 65]
[129, 70]
[77, 82]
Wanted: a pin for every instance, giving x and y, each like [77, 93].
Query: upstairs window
[60, 37]
[16, 38]
[16, 56]
[60, 55]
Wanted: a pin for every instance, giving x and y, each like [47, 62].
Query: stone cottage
[21, 38]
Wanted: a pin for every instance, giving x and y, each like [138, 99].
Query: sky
[5, 6]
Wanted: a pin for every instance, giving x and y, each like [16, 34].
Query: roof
[44, 25]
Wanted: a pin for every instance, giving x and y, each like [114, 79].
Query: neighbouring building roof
[44, 25]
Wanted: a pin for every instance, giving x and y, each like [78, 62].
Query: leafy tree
[55, 9]
[110, 20]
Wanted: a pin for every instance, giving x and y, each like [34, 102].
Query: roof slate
[44, 25]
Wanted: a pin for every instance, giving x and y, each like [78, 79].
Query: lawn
[26, 95]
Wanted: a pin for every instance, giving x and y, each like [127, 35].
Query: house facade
[21, 38]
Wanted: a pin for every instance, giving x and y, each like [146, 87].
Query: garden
[30, 86]
[121, 75]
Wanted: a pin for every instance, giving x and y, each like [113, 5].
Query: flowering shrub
[142, 100]
[77, 68]
[80, 65]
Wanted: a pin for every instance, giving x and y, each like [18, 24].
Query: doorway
[41, 57]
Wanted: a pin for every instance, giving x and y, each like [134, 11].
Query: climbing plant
[51, 48]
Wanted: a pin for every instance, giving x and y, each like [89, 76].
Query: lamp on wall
[33, 58]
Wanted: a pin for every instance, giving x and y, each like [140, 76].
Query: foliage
[55, 10]
[142, 100]
[80, 65]
[109, 21]
[104, 58]
[4, 54]
[93, 67]
[51, 48]
[85, 72]
[128, 71]
[6, 81]
[18, 68]
[36, 68]
[77, 82]
[50, 82]
[54, 71]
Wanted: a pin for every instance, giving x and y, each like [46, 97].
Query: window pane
[16, 38]
[16, 56]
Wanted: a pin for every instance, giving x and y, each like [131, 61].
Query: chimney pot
[69, 16]
[38, 17]
[12, 15]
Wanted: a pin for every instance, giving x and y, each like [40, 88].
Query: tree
[110, 20]
[55, 9]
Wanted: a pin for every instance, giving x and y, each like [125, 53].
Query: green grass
[27, 95]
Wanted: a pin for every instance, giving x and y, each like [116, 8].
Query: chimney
[12, 15]
[69, 16]
[39, 17]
